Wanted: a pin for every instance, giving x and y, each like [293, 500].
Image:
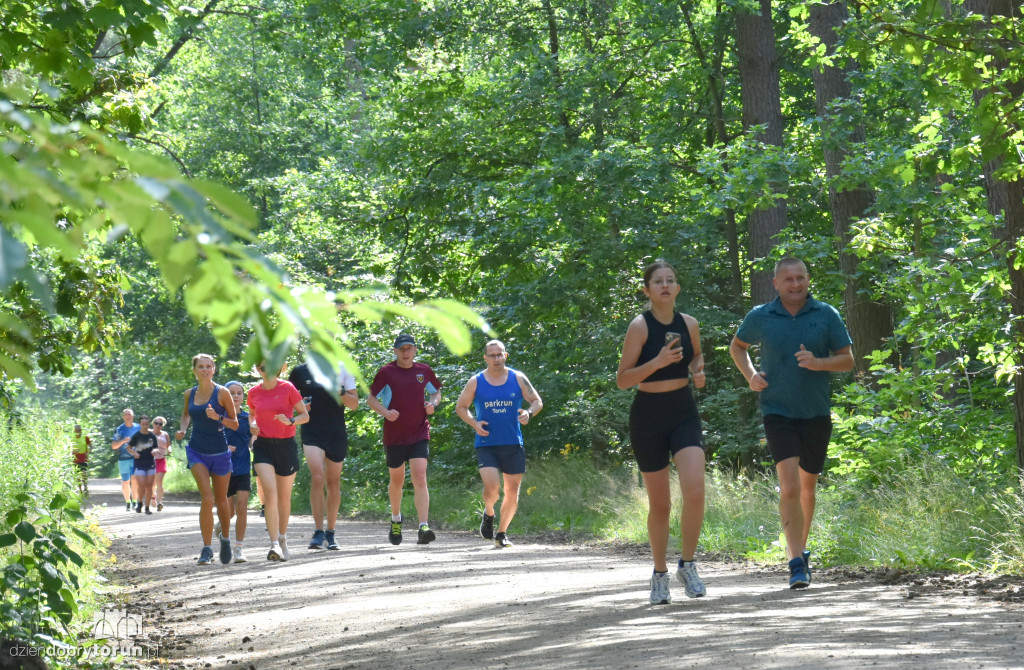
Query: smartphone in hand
[671, 337]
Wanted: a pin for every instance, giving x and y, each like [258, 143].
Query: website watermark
[114, 635]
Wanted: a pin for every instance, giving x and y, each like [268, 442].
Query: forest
[304, 179]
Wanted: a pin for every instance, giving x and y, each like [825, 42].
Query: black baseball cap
[404, 339]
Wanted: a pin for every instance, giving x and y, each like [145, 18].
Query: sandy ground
[461, 603]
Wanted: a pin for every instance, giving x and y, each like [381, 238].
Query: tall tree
[1003, 168]
[870, 322]
[762, 108]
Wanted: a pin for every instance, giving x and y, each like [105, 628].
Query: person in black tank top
[660, 355]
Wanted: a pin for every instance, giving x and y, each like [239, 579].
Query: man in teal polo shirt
[802, 340]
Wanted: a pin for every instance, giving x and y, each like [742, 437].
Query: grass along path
[460, 603]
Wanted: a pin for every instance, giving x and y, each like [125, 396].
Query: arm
[350, 399]
[531, 396]
[431, 405]
[838, 361]
[117, 444]
[629, 373]
[230, 418]
[697, 364]
[299, 417]
[739, 350]
[185, 420]
[462, 408]
[374, 403]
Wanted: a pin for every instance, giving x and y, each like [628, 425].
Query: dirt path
[459, 603]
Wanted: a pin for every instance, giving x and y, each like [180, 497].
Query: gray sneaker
[660, 594]
[687, 574]
[239, 555]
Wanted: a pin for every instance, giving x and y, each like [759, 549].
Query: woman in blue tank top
[661, 350]
[209, 408]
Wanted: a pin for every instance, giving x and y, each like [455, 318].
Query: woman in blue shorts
[661, 350]
[208, 406]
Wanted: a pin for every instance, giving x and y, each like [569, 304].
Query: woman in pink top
[276, 408]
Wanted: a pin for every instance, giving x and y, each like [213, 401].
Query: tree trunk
[759, 92]
[1006, 201]
[870, 323]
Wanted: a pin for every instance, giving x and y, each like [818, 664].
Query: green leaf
[25, 531]
[7, 540]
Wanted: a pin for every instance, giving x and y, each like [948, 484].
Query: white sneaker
[285, 554]
[239, 556]
[275, 552]
[687, 574]
[660, 594]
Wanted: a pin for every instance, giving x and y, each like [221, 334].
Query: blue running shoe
[807, 562]
[798, 577]
[318, 540]
[332, 544]
[205, 556]
[225, 550]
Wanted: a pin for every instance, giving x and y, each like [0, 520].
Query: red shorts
[161, 464]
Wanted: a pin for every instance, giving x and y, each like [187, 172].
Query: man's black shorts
[804, 438]
[398, 455]
[239, 483]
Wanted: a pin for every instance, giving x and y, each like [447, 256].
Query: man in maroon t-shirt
[405, 393]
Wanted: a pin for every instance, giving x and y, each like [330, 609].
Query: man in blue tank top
[497, 394]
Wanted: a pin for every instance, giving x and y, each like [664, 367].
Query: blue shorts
[127, 468]
[508, 458]
[218, 464]
[149, 472]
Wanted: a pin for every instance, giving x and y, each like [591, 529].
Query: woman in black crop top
[660, 352]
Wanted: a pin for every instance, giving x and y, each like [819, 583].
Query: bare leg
[808, 489]
[268, 485]
[220, 497]
[315, 458]
[284, 503]
[160, 487]
[659, 507]
[510, 503]
[790, 510]
[242, 520]
[421, 496]
[202, 477]
[396, 481]
[332, 479]
[690, 465]
[491, 478]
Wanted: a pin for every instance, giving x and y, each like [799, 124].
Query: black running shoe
[138, 508]
[501, 541]
[426, 536]
[395, 534]
[127, 507]
[487, 526]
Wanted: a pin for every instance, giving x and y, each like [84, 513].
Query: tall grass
[49, 551]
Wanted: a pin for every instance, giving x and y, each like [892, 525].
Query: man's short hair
[494, 342]
[128, 410]
[789, 260]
